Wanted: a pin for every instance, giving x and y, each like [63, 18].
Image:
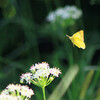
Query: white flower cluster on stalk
[41, 74]
[68, 12]
[16, 92]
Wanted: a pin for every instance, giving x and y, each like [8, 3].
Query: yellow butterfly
[78, 39]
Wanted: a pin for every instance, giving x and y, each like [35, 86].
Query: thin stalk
[43, 88]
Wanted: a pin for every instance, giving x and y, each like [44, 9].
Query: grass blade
[64, 84]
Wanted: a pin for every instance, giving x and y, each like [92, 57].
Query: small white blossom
[65, 13]
[55, 72]
[25, 91]
[42, 73]
[5, 91]
[9, 97]
[27, 77]
[51, 17]
[13, 87]
[42, 65]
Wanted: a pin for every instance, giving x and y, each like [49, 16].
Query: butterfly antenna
[67, 35]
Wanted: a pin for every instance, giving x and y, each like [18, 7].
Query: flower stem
[43, 88]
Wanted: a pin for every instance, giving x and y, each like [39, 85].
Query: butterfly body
[78, 39]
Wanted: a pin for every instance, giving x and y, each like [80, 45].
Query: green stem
[43, 88]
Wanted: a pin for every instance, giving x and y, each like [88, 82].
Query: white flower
[62, 13]
[59, 12]
[74, 12]
[51, 17]
[42, 65]
[33, 68]
[18, 91]
[27, 77]
[9, 97]
[55, 72]
[13, 87]
[5, 91]
[65, 13]
[25, 91]
[42, 73]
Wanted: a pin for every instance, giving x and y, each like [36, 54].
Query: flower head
[65, 15]
[42, 65]
[55, 72]
[18, 91]
[13, 87]
[27, 77]
[26, 91]
[41, 74]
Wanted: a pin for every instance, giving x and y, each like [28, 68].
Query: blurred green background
[26, 38]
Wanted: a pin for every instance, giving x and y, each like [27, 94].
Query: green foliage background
[27, 38]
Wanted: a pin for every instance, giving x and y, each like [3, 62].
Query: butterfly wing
[78, 39]
[79, 43]
[79, 35]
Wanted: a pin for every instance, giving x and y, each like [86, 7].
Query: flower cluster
[9, 97]
[65, 17]
[41, 74]
[65, 13]
[17, 92]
